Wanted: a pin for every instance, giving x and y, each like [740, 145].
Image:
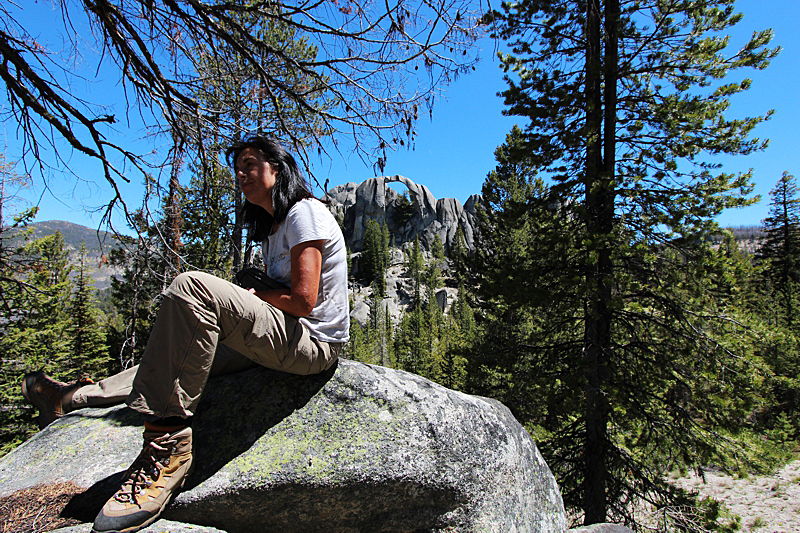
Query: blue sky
[453, 151]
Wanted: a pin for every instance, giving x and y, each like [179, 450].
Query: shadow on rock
[87, 504]
[235, 411]
[119, 416]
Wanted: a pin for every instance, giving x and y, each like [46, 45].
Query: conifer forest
[629, 333]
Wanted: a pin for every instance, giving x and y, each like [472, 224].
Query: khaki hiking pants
[207, 326]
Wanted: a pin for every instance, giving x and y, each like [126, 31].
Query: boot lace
[153, 458]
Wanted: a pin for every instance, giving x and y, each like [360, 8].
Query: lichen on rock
[360, 448]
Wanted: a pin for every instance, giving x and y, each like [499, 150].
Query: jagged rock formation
[354, 204]
[358, 449]
[423, 216]
[399, 293]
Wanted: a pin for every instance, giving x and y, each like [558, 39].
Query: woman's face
[256, 177]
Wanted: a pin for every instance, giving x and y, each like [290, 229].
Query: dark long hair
[290, 186]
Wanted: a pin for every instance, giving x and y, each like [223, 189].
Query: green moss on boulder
[360, 448]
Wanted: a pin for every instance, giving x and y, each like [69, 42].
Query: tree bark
[599, 213]
[174, 218]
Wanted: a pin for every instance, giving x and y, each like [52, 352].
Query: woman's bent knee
[193, 283]
[188, 278]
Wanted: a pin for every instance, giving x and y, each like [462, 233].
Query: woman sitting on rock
[208, 326]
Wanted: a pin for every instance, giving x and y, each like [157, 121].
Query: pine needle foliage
[35, 335]
[780, 249]
[779, 259]
[597, 279]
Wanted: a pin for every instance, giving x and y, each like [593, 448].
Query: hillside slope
[98, 245]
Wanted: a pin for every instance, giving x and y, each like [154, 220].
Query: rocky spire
[421, 215]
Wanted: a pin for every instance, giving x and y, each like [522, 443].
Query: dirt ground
[766, 504]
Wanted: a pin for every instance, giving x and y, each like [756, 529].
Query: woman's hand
[306, 260]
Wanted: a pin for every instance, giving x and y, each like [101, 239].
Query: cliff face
[426, 217]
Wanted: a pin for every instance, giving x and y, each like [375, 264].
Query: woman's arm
[306, 260]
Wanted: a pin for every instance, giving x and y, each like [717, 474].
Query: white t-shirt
[310, 220]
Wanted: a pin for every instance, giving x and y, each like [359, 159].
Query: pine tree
[459, 336]
[360, 347]
[375, 256]
[46, 320]
[779, 260]
[409, 345]
[208, 214]
[434, 320]
[35, 333]
[11, 227]
[16, 298]
[622, 100]
[780, 249]
[458, 256]
[86, 328]
[415, 264]
[388, 333]
[377, 330]
[528, 281]
[385, 245]
[403, 210]
[421, 340]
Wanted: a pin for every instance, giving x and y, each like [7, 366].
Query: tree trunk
[786, 259]
[238, 227]
[599, 213]
[174, 218]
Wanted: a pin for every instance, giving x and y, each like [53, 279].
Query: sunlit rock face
[425, 217]
[360, 448]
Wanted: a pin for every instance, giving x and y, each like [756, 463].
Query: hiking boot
[154, 477]
[51, 397]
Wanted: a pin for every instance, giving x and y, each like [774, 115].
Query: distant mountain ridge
[748, 238]
[96, 241]
[98, 244]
